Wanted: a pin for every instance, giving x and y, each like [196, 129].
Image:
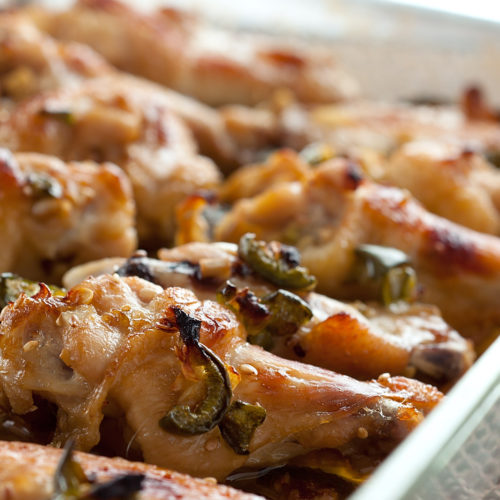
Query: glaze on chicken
[118, 120]
[332, 209]
[55, 214]
[181, 52]
[28, 471]
[359, 340]
[112, 349]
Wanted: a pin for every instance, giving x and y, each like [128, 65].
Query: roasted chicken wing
[29, 471]
[329, 212]
[31, 62]
[181, 52]
[118, 120]
[184, 388]
[465, 187]
[55, 214]
[358, 127]
[359, 340]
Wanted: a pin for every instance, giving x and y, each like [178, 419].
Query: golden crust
[465, 187]
[334, 209]
[55, 214]
[102, 352]
[27, 472]
[120, 120]
[31, 62]
[183, 53]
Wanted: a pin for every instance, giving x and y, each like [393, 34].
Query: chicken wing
[358, 127]
[333, 210]
[118, 120]
[27, 471]
[55, 214]
[359, 340]
[31, 62]
[181, 52]
[465, 187]
[175, 370]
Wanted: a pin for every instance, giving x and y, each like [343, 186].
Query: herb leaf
[239, 424]
[206, 414]
[276, 262]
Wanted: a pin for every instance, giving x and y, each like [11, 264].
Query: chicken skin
[359, 128]
[124, 348]
[181, 52]
[331, 210]
[118, 120]
[31, 62]
[465, 187]
[27, 471]
[359, 340]
[55, 214]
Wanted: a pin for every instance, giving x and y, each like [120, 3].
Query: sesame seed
[362, 433]
[247, 369]
[212, 444]
[147, 294]
[29, 346]
[85, 295]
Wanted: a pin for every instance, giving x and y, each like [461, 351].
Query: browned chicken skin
[27, 473]
[330, 210]
[357, 127]
[31, 62]
[178, 50]
[359, 340]
[116, 119]
[55, 214]
[109, 348]
[465, 187]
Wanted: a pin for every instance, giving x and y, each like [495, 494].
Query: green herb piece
[262, 338]
[71, 483]
[387, 270]
[239, 424]
[287, 312]
[69, 476]
[316, 153]
[278, 263]
[11, 287]
[44, 186]
[207, 414]
[493, 157]
[118, 488]
[63, 115]
[279, 313]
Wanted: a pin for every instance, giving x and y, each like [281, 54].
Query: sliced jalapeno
[317, 152]
[11, 286]
[71, 483]
[207, 414]
[63, 115]
[287, 312]
[239, 424]
[69, 476]
[279, 313]
[276, 262]
[117, 488]
[44, 186]
[386, 269]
